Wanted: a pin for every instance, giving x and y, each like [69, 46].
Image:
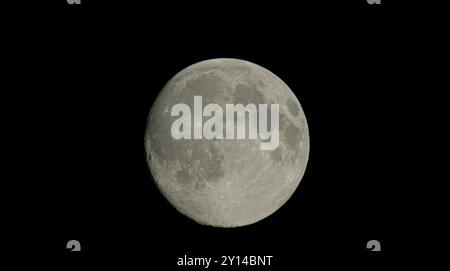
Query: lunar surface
[223, 182]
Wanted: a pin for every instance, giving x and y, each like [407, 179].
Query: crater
[292, 107]
[277, 154]
[183, 176]
[211, 87]
[248, 94]
[291, 134]
[290, 138]
[202, 165]
[207, 161]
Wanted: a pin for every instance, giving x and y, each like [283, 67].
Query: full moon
[226, 182]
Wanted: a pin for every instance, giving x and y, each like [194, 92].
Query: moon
[222, 182]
